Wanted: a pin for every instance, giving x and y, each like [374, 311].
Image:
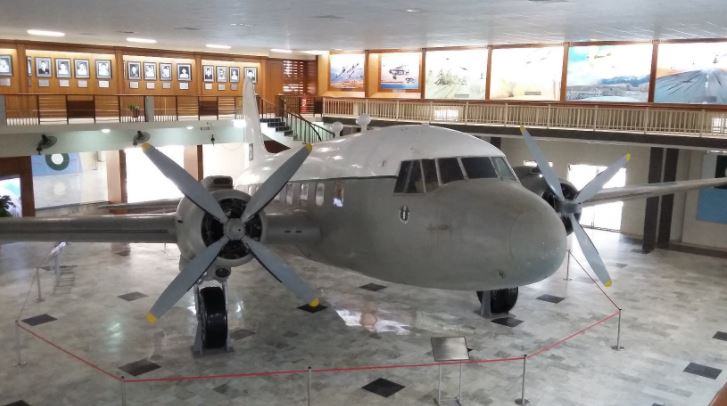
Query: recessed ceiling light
[218, 46]
[105, 130]
[315, 52]
[413, 10]
[281, 51]
[243, 25]
[142, 40]
[189, 127]
[46, 33]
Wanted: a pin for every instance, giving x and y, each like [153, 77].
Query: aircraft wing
[125, 228]
[651, 190]
[150, 205]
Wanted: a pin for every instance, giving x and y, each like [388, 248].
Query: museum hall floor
[673, 308]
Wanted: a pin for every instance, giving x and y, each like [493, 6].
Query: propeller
[234, 230]
[570, 207]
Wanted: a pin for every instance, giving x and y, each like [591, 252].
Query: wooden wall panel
[274, 81]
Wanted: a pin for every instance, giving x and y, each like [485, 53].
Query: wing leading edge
[651, 190]
[127, 228]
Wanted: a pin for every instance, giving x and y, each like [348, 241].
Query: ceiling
[255, 26]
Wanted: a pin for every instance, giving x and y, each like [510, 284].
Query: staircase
[287, 127]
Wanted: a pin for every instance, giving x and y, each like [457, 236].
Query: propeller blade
[282, 271]
[550, 177]
[596, 184]
[591, 253]
[185, 280]
[192, 189]
[275, 183]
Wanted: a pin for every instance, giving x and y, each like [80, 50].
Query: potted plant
[135, 109]
[5, 205]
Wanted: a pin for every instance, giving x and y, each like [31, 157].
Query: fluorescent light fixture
[105, 130]
[315, 52]
[413, 10]
[189, 127]
[46, 33]
[281, 51]
[218, 46]
[239, 123]
[142, 40]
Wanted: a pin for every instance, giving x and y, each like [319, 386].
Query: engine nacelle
[196, 229]
[533, 180]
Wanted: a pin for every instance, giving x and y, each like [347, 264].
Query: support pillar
[3, 113]
[651, 215]
[667, 202]
[148, 109]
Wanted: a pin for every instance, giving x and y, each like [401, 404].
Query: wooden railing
[700, 120]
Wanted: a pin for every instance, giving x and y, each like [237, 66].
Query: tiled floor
[674, 304]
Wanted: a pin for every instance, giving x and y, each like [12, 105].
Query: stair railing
[303, 129]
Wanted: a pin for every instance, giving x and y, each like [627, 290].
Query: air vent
[187, 28]
[329, 17]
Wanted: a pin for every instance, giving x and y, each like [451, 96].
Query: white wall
[694, 231]
[224, 159]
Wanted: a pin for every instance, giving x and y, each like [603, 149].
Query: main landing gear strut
[494, 302]
[211, 304]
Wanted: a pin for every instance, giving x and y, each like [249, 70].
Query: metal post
[522, 400]
[3, 112]
[123, 391]
[37, 276]
[618, 346]
[567, 268]
[459, 384]
[18, 345]
[309, 384]
[439, 386]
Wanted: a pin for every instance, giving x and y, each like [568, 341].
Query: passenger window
[338, 195]
[449, 170]
[303, 194]
[410, 178]
[290, 196]
[430, 174]
[503, 169]
[479, 167]
[320, 194]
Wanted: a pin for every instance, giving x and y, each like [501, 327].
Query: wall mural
[347, 71]
[526, 73]
[400, 70]
[692, 73]
[456, 74]
[615, 73]
[711, 207]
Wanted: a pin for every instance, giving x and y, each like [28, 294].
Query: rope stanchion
[571, 336]
[595, 282]
[522, 400]
[18, 346]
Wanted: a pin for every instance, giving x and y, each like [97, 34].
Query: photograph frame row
[153, 71]
[224, 73]
[62, 68]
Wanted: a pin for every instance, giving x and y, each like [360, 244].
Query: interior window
[449, 170]
[503, 169]
[338, 195]
[290, 196]
[479, 167]
[320, 194]
[403, 176]
[303, 194]
[410, 178]
[429, 167]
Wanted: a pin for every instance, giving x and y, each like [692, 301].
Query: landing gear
[211, 307]
[494, 302]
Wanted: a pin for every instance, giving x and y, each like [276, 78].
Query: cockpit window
[410, 178]
[429, 168]
[503, 169]
[449, 170]
[479, 167]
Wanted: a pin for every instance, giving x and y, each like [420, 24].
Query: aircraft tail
[252, 135]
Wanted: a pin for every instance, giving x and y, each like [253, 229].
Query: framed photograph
[251, 72]
[133, 70]
[165, 71]
[234, 74]
[150, 71]
[63, 68]
[42, 68]
[82, 68]
[184, 72]
[347, 71]
[29, 63]
[6, 65]
[103, 69]
[222, 74]
[208, 73]
[399, 70]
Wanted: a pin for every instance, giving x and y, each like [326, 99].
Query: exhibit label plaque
[5, 82]
[103, 83]
[208, 86]
[233, 87]
[151, 85]
[220, 87]
[43, 83]
[134, 85]
[82, 83]
[183, 86]
[166, 85]
[64, 83]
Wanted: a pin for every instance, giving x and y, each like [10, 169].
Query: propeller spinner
[234, 230]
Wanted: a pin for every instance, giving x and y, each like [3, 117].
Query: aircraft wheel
[501, 301]
[213, 312]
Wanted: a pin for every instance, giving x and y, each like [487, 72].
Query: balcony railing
[706, 121]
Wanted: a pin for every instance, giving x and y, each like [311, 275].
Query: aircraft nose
[537, 242]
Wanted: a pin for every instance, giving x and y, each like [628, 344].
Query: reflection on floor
[673, 315]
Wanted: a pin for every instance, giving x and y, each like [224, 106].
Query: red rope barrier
[595, 282]
[569, 337]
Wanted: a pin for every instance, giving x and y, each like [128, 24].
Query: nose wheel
[493, 302]
[211, 305]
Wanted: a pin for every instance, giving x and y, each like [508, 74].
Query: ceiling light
[46, 33]
[218, 46]
[142, 40]
[105, 130]
[315, 52]
[281, 51]
[189, 127]
[413, 10]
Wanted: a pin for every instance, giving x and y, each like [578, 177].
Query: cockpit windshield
[420, 176]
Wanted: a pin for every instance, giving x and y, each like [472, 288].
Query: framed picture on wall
[347, 71]
[133, 70]
[222, 74]
[6, 65]
[150, 71]
[251, 72]
[184, 72]
[82, 68]
[63, 68]
[399, 70]
[103, 69]
[208, 73]
[234, 74]
[42, 67]
[165, 71]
